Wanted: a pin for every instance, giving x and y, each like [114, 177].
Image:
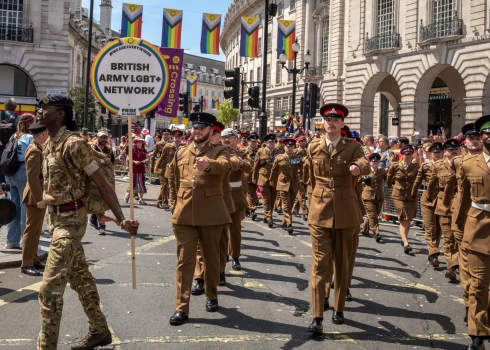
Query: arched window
[325, 36]
[15, 82]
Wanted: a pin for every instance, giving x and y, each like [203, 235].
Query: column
[475, 108]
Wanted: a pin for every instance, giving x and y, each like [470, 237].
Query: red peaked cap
[334, 110]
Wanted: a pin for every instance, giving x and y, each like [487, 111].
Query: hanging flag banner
[211, 26]
[204, 104]
[215, 102]
[192, 85]
[132, 20]
[169, 106]
[172, 28]
[129, 76]
[249, 37]
[286, 35]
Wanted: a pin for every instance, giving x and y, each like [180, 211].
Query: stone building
[401, 66]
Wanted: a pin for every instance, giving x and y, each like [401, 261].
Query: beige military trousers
[478, 296]
[332, 245]
[163, 196]
[432, 229]
[187, 238]
[373, 209]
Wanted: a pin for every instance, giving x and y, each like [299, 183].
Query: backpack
[9, 163]
[7, 129]
[92, 199]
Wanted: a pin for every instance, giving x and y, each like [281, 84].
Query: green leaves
[227, 113]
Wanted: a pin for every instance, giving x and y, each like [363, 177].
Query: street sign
[129, 76]
[53, 91]
[395, 121]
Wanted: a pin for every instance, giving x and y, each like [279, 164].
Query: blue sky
[153, 14]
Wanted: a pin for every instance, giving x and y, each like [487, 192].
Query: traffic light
[313, 101]
[151, 114]
[197, 107]
[184, 103]
[253, 94]
[234, 83]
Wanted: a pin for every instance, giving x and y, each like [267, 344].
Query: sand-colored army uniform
[372, 198]
[261, 176]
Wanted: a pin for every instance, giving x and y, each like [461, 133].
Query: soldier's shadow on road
[414, 273]
[252, 239]
[253, 232]
[379, 258]
[265, 249]
[268, 262]
[143, 236]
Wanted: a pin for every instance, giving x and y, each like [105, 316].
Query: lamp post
[294, 71]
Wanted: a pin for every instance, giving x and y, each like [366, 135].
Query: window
[278, 73]
[285, 104]
[259, 74]
[15, 82]
[290, 67]
[269, 42]
[202, 69]
[212, 93]
[325, 35]
[278, 106]
[199, 93]
[11, 12]
[280, 9]
[251, 75]
[260, 46]
[244, 77]
[292, 4]
[386, 23]
[268, 80]
[444, 10]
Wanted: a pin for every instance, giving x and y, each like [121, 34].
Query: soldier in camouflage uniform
[67, 222]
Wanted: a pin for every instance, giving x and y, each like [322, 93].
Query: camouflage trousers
[66, 263]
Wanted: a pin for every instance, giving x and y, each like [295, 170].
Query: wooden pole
[131, 199]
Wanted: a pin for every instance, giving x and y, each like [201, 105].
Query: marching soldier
[440, 173]
[373, 196]
[474, 216]
[198, 287]
[252, 198]
[401, 177]
[279, 149]
[300, 200]
[473, 146]
[240, 166]
[162, 201]
[33, 200]
[67, 222]
[287, 170]
[244, 139]
[165, 162]
[261, 176]
[334, 216]
[199, 214]
[427, 207]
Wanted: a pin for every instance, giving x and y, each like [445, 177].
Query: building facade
[401, 66]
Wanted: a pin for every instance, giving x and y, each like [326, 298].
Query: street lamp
[294, 71]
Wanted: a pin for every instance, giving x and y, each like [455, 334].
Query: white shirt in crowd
[150, 143]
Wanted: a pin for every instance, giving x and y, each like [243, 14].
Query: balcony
[17, 34]
[441, 29]
[313, 72]
[383, 42]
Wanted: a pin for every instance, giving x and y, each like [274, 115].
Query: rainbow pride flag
[192, 85]
[215, 102]
[132, 21]
[249, 37]
[286, 35]
[204, 104]
[211, 26]
[172, 28]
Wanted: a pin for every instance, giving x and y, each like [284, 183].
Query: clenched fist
[202, 163]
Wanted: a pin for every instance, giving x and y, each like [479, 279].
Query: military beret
[374, 157]
[36, 128]
[280, 134]
[334, 110]
[407, 149]
[463, 142]
[470, 130]
[55, 100]
[229, 132]
[289, 142]
[253, 137]
[483, 124]
[345, 131]
[7, 211]
[244, 134]
[451, 144]
[202, 119]
[436, 147]
[269, 137]
[301, 138]
[176, 132]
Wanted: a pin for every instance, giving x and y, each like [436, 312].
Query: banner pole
[131, 199]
